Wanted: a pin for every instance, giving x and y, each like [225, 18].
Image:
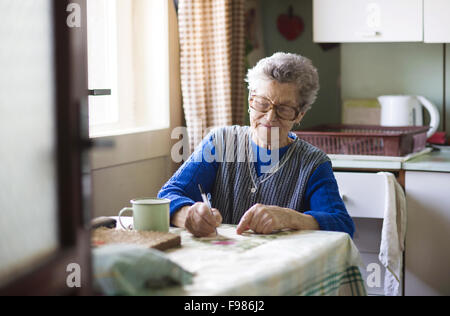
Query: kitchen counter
[365, 164]
[438, 161]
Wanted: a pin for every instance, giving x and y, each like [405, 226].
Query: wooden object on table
[156, 240]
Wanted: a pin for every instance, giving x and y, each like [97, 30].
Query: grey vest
[232, 194]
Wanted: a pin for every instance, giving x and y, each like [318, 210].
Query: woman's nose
[271, 114]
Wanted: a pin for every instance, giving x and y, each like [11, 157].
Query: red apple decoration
[290, 26]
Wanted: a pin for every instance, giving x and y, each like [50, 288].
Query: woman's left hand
[264, 219]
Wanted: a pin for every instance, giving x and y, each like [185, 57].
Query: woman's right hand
[200, 221]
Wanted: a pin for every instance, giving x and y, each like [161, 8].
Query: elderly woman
[262, 177]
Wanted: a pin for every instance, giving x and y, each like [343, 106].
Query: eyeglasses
[264, 105]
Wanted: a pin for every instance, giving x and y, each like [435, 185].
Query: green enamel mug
[149, 214]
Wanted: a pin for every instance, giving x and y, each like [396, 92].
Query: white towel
[393, 235]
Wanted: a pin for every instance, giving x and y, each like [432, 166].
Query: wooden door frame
[49, 277]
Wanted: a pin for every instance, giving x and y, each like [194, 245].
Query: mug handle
[120, 214]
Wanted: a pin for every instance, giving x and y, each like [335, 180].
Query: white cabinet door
[363, 193]
[436, 21]
[428, 233]
[368, 21]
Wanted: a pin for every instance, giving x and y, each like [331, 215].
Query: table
[284, 263]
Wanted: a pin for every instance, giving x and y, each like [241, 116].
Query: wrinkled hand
[264, 219]
[199, 220]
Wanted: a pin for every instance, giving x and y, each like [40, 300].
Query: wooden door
[45, 202]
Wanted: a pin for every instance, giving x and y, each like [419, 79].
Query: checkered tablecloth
[286, 263]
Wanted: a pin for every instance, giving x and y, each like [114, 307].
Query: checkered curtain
[212, 64]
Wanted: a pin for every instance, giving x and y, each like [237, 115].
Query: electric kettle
[406, 110]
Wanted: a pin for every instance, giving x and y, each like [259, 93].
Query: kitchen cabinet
[368, 20]
[436, 21]
[427, 251]
[364, 201]
[426, 180]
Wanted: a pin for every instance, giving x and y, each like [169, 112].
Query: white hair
[287, 68]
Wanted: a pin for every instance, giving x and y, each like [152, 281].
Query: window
[102, 57]
[128, 66]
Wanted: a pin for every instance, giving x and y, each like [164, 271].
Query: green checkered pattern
[286, 263]
[348, 282]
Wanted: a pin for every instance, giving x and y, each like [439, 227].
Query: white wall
[114, 187]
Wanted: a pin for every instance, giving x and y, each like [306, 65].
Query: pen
[206, 201]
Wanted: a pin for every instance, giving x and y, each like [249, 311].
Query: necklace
[255, 186]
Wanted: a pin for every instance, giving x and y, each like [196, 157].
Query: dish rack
[366, 139]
